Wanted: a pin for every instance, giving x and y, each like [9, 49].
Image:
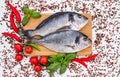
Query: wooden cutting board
[33, 23]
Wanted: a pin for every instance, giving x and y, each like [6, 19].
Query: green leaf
[31, 11]
[63, 69]
[51, 73]
[36, 14]
[25, 20]
[61, 61]
[25, 10]
[52, 58]
[34, 46]
[66, 62]
[70, 56]
[54, 66]
[61, 55]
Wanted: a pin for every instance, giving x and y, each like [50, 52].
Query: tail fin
[26, 36]
[26, 33]
[32, 40]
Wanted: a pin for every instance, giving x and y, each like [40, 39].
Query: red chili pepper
[14, 36]
[14, 27]
[79, 61]
[89, 58]
[15, 11]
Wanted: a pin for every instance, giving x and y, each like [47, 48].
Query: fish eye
[79, 16]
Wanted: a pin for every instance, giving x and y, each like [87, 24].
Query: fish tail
[26, 33]
[28, 36]
[33, 40]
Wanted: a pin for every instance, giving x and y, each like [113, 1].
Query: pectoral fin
[64, 28]
[70, 46]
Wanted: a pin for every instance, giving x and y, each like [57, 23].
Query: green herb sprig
[29, 13]
[61, 61]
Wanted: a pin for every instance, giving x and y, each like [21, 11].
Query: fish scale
[67, 41]
[58, 22]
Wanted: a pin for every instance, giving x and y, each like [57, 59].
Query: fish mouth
[90, 41]
[85, 18]
[81, 25]
[86, 21]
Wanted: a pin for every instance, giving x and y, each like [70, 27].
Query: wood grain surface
[33, 23]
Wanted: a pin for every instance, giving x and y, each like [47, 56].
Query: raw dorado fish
[67, 41]
[58, 22]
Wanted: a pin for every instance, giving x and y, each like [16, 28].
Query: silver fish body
[67, 41]
[58, 22]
